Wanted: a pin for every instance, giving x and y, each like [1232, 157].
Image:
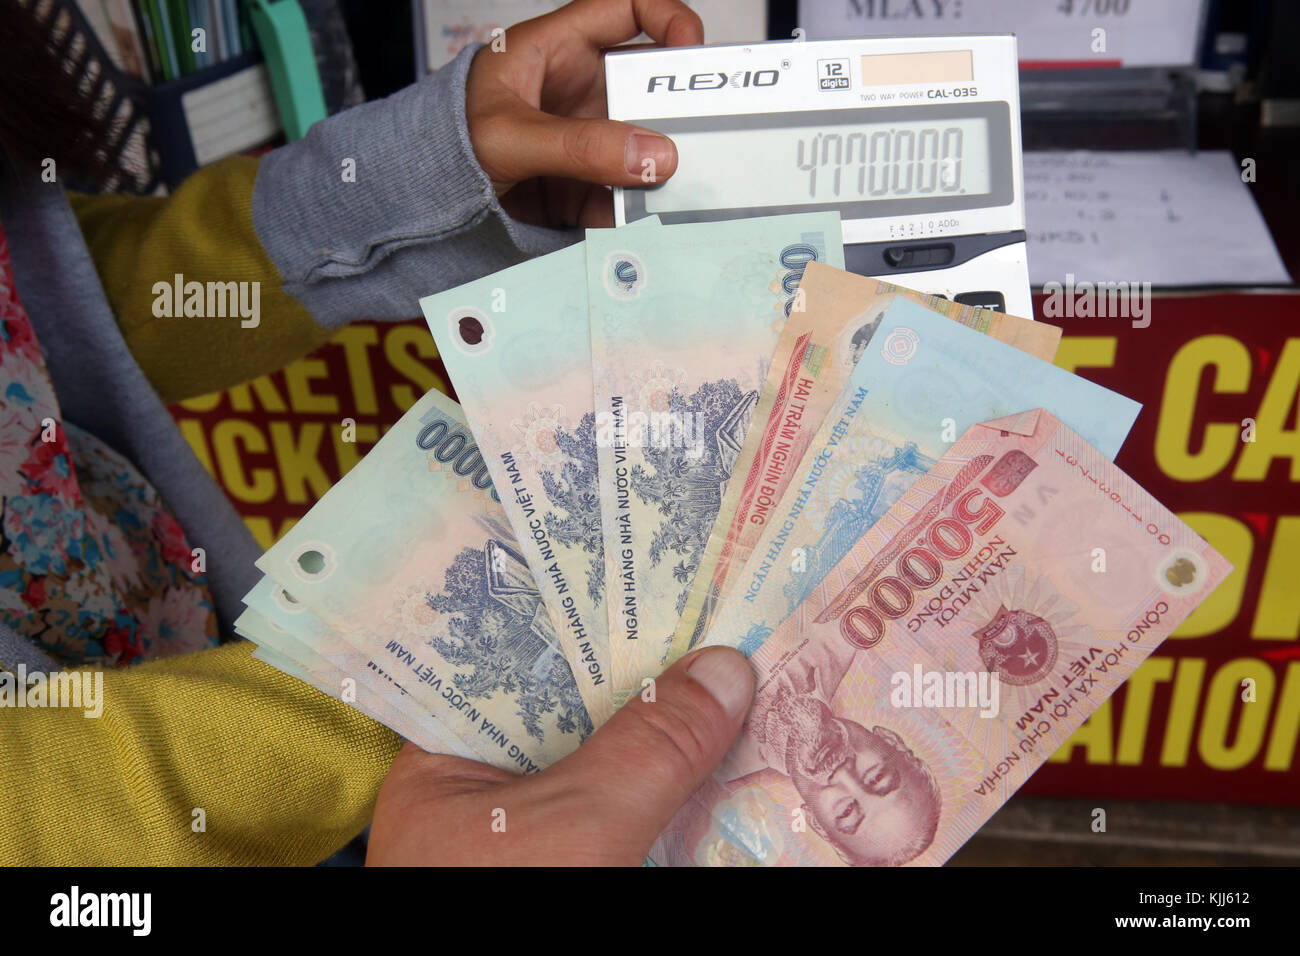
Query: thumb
[601, 151]
[652, 754]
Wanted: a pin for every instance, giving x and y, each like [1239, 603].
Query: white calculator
[914, 140]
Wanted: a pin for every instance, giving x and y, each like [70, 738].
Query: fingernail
[649, 146]
[727, 676]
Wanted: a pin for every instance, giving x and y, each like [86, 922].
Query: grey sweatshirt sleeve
[421, 217]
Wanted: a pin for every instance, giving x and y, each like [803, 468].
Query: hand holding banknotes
[603, 805]
[922, 608]
[536, 110]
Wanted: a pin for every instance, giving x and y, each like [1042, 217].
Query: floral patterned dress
[93, 567]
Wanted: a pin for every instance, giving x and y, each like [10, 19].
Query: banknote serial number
[1208, 898]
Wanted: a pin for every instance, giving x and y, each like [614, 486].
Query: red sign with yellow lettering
[1213, 715]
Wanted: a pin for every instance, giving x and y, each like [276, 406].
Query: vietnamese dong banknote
[923, 382]
[1000, 600]
[684, 319]
[818, 349]
[410, 559]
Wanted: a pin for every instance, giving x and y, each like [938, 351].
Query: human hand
[602, 805]
[536, 110]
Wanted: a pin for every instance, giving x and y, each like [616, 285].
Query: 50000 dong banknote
[957, 645]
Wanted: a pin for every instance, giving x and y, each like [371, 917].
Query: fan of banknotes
[674, 436]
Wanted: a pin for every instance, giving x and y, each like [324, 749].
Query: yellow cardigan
[282, 773]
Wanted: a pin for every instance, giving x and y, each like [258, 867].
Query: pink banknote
[964, 638]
